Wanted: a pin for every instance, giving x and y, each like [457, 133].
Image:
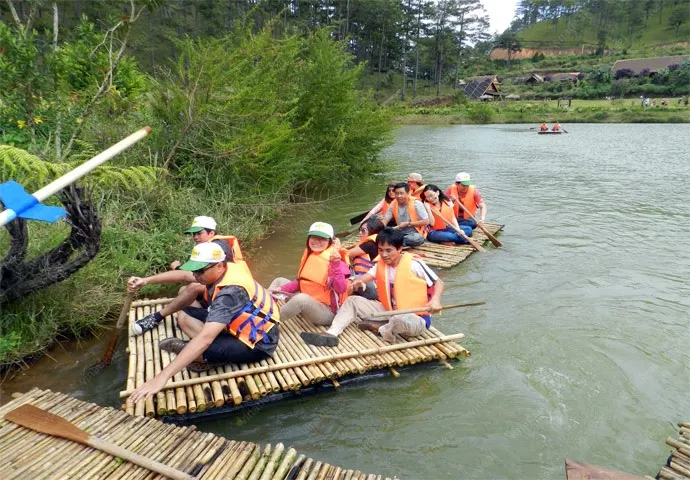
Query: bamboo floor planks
[305, 369]
[27, 454]
[678, 465]
[445, 256]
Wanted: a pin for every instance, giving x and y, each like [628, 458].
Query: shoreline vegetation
[512, 112]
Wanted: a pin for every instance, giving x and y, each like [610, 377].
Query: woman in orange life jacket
[382, 207]
[321, 284]
[363, 256]
[435, 199]
[402, 281]
[544, 127]
[240, 325]
[463, 191]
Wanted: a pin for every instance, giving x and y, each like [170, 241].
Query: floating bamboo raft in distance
[295, 367]
[445, 256]
[678, 465]
[27, 454]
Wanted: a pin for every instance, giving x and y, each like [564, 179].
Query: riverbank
[443, 112]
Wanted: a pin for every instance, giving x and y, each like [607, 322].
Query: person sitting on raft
[402, 281]
[321, 284]
[556, 127]
[365, 253]
[190, 296]
[464, 192]
[383, 205]
[416, 184]
[240, 325]
[441, 232]
[410, 215]
[544, 127]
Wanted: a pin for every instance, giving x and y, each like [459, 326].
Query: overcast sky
[500, 12]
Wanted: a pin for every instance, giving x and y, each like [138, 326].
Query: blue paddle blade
[14, 197]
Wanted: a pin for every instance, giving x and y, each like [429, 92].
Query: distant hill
[585, 31]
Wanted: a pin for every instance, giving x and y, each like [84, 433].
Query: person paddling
[240, 325]
[440, 231]
[321, 284]
[382, 207]
[556, 127]
[463, 191]
[544, 127]
[402, 281]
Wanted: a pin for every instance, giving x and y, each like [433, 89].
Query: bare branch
[15, 15]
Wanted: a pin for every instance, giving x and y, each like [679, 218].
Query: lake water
[581, 351]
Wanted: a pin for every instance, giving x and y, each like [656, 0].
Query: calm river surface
[581, 350]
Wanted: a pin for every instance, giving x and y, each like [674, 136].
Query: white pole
[74, 175]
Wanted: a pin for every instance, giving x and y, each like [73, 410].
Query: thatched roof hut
[485, 85]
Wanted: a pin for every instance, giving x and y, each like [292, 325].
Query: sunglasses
[207, 267]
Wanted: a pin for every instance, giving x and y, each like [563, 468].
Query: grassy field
[580, 111]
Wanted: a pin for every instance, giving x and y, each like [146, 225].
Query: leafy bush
[481, 113]
[624, 73]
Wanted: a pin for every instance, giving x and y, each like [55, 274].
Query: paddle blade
[358, 218]
[41, 421]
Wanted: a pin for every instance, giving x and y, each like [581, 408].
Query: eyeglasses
[207, 267]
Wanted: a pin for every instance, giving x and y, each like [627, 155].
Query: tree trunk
[416, 66]
[58, 119]
[383, 39]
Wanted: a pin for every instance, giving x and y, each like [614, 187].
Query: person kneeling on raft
[402, 281]
[321, 285]
[240, 325]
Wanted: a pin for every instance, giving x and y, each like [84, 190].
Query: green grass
[581, 111]
[546, 34]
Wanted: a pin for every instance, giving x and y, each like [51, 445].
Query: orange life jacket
[361, 263]
[417, 193]
[312, 275]
[232, 243]
[412, 212]
[467, 200]
[544, 127]
[408, 290]
[385, 207]
[447, 211]
[556, 127]
[258, 316]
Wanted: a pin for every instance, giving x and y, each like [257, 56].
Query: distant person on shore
[416, 183]
[464, 192]
[544, 127]
[190, 296]
[240, 325]
[382, 207]
[556, 127]
[410, 215]
[440, 232]
[402, 281]
[321, 284]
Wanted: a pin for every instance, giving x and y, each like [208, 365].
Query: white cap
[202, 255]
[463, 177]
[200, 223]
[321, 229]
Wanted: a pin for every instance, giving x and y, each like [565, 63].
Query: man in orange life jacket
[190, 296]
[416, 184]
[240, 326]
[410, 215]
[402, 282]
[463, 191]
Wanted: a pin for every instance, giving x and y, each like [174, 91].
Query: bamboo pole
[174, 401]
[285, 465]
[261, 464]
[186, 397]
[226, 461]
[337, 356]
[146, 302]
[161, 404]
[132, 364]
[150, 409]
[140, 406]
[318, 375]
[244, 469]
[390, 313]
[272, 463]
[306, 468]
[251, 383]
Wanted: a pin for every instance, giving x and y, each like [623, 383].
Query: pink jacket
[337, 281]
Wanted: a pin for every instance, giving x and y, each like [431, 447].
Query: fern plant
[34, 173]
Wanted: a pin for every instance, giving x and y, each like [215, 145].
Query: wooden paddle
[469, 240]
[48, 423]
[493, 239]
[422, 309]
[358, 218]
[566, 131]
[112, 343]
[345, 233]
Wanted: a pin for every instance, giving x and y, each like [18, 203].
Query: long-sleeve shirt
[336, 281]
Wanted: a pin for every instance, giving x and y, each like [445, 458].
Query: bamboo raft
[444, 256]
[678, 465]
[295, 368]
[27, 454]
